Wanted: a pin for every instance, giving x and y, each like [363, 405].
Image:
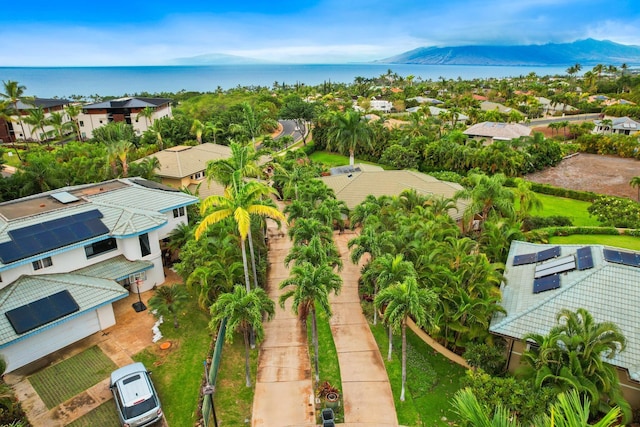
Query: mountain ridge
[583, 52]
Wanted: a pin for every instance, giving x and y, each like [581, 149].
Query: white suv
[136, 398]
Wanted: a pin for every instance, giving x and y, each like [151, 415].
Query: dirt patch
[608, 175]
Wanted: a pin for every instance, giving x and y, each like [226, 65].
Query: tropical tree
[38, 119]
[240, 201]
[348, 131]
[244, 311]
[13, 91]
[197, 128]
[6, 113]
[635, 182]
[309, 286]
[147, 113]
[399, 301]
[243, 159]
[169, 301]
[300, 112]
[487, 194]
[56, 120]
[73, 111]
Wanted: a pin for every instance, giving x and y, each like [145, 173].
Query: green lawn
[574, 209]
[432, 380]
[626, 242]
[178, 371]
[62, 381]
[104, 415]
[331, 160]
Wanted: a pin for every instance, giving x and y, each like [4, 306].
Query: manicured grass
[432, 380]
[233, 399]
[62, 381]
[626, 242]
[331, 160]
[574, 209]
[178, 371]
[104, 415]
[328, 363]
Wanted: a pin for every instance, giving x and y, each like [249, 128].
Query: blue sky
[86, 32]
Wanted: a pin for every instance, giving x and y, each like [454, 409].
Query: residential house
[376, 105]
[17, 130]
[619, 125]
[425, 100]
[542, 279]
[497, 131]
[126, 110]
[489, 106]
[184, 167]
[352, 184]
[68, 254]
[554, 108]
[437, 111]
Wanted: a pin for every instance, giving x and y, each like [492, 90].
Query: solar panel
[549, 253]
[584, 258]
[41, 312]
[621, 257]
[54, 234]
[560, 265]
[524, 259]
[65, 197]
[546, 284]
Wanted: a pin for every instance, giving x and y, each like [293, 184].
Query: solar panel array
[620, 257]
[546, 283]
[49, 235]
[536, 256]
[584, 258]
[41, 312]
[556, 266]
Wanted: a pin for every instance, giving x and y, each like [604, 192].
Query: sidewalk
[284, 392]
[366, 391]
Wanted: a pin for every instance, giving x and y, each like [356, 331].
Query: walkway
[284, 393]
[366, 391]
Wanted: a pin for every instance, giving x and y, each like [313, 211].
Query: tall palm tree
[197, 128]
[38, 119]
[169, 300]
[244, 311]
[309, 288]
[6, 113]
[57, 121]
[348, 131]
[147, 113]
[487, 195]
[635, 182]
[240, 201]
[73, 111]
[244, 159]
[13, 91]
[401, 300]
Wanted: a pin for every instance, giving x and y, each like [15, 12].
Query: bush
[588, 196]
[535, 222]
[616, 211]
[489, 358]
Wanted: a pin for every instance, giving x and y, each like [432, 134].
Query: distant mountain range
[215, 59]
[587, 52]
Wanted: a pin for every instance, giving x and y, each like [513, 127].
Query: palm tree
[73, 111]
[169, 300]
[348, 131]
[212, 127]
[13, 91]
[310, 287]
[197, 128]
[147, 113]
[56, 120]
[244, 159]
[635, 182]
[401, 300]
[244, 311]
[6, 113]
[487, 195]
[38, 120]
[239, 202]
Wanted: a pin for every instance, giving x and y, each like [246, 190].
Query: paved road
[284, 392]
[289, 128]
[570, 118]
[367, 396]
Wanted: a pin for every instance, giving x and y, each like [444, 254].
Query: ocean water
[62, 82]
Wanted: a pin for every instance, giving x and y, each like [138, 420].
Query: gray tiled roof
[498, 130]
[355, 187]
[609, 291]
[621, 123]
[88, 292]
[182, 161]
[116, 268]
[127, 103]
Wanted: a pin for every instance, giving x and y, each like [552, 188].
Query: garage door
[50, 340]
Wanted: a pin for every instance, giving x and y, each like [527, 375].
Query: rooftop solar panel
[41, 312]
[524, 259]
[584, 258]
[612, 256]
[621, 257]
[548, 253]
[65, 197]
[546, 284]
[560, 265]
[54, 234]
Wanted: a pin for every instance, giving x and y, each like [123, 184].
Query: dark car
[136, 399]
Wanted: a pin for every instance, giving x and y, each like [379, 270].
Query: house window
[100, 247]
[178, 212]
[81, 124]
[42, 263]
[145, 247]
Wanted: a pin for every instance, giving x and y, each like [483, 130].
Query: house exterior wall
[630, 388]
[106, 316]
[90, 121]
[177, 182]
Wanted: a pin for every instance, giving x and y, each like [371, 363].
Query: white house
[128, 110]
[68, 254]
[497, 131]
[619, 125]
[17, 129]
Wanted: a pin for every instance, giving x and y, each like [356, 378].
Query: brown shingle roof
[182, 161]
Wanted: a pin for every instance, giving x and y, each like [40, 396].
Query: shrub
[489, 358]
[535, 222]
[616, 211]
[588, 196]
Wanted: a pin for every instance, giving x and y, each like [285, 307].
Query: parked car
[136, 398]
